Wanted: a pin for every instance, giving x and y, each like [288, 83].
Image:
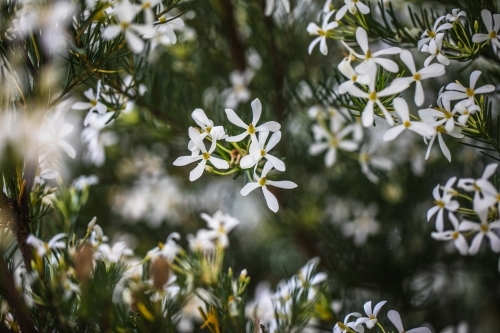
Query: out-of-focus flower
[395, 318]
[353, 6]
[238, 92]
[43, 248]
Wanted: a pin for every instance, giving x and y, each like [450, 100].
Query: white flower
[207, 128]
[347, 326]
[418, 127]
[492, 34]
[455, 235]
[369, 57]
[427, 116]
[373, 98]
[465, 108]
[114, 253]
[43, 248]
[371, 320]
[92, 105]
[252, 128]
[346, 69]
[147, 7]
[239, 91]
[363, 225]
[353, 6]
[455, 15]
[313, 29]
[168, 250]
[428, 35]
[442, 202]
[484, 191]
[84, 181]
[334, 140]
[53, 133]
[221, 224]
[484, 229]
[270, 6]
[204, 156]
[96, 139]
[367, 159]
[457, 91]
[126, 12]
[202, 241]
[328, 7]
[434, 48]
[166, 27]
[443, 113]
[434, 70]
[259, 150]
[262, 181]
[395, 318]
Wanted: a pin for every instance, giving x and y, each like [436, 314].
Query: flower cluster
[371, 321]
[244, 155]
[485, 201]
[277, 311]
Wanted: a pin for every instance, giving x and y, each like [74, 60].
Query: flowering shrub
[345, 98]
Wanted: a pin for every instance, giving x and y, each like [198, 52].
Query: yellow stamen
[206, 156]
[407, 124]
[262, 181]
[251, 129]
[416, 76]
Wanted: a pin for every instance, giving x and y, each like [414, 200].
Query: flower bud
[476, 26]
[159, 271]
[208, 168]
[91, 224]
[84, 262]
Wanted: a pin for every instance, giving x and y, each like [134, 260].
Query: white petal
[198, 171]
[271, 200]
[111, 32]
[219, 163]
[276, 162]
[233, 117]
[395, 318]
[270, 126]
[444, 148]
[362, 39]
[185, 160]
[247, 162]
[135, 43]
[67, 148]
[249, 187]
[393, 133]
[81, 106]
[473, 79]
[256, 111]
[282, 184]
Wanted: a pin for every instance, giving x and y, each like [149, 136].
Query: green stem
[381, 327]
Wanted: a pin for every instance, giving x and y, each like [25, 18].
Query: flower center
[373, 317]
[476, 187]
[431, 34]
[146, 5]
[206, 156]
[342, 326]
[321, 32]
[263, 153]
[373, 96]
[470, 92]
[163, 19]
[447, 114]
[251, 129]
[124, 25]
[208, 129]
[454, 234]
[439, 203]
[493, 34]
[407, 124]
[262, 181]
[93, 102]
[484, 228]
[440, 129]
[334, 142]
[364, 157]
[354, 78]
[416, 76]
[368, 54]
